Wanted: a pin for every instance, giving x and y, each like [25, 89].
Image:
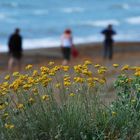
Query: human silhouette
[108, 42]
[66, 44]
[15, 49]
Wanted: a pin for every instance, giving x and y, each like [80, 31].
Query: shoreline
[124, 52]
[84, 48]
[96, 45]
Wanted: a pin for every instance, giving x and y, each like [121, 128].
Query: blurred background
[42, 22]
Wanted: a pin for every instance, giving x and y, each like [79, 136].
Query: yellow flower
[114, 113]
[86, 72]
[126, 67]
[51, 63]
[137, 73]
[78, 68]
[52, 73]
[20, 106]
[65, 68]
[3, 93]
[45, 97]
[71, 94]
[5, 86]
[35, 91]
[31, 100]
[115, 65]
[91, 84]
[44, 69]
[56, 68]
[27, 86]
[28, 67]
[2, 106]
[9, 126]
[16, 74]
[66, 77]
[97, 66]
[35, 73]
[58, 85]
[101, 71]
[5, 116]
[102, 81]
[31, 80]
[96, 79]
[67, 83]
[133, 101]
[7, 77]
[138, 69]
[87, 62]
[78, 79]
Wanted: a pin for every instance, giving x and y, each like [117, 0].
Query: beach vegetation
[58, 102]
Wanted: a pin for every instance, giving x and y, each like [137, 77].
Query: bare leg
[65, 62]
[10, 64]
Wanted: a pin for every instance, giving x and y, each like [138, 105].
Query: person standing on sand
[108, 42]
[15, 49]
[66, 45]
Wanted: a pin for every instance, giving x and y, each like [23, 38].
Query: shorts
[16, 55]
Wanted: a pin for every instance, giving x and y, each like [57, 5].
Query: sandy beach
[124, 53]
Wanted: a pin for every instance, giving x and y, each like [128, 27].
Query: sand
[124, 53]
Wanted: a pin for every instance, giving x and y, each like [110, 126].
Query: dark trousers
[66, 53]
[108, 50]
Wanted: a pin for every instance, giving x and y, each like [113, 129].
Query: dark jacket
[108, 35]
[15, 43]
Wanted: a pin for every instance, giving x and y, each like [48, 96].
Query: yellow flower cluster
[30, 88]
[45, 97]
[137, 73]
[9, 126]
[67, 81]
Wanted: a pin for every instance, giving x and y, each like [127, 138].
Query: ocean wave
[100, 23]
[43, 42]
[2, 16]
[9, 4]
[50, 42]
[55, 42]
[40, 12]
[133, 20]
[121, 6]
[72, 10]
[6, 17]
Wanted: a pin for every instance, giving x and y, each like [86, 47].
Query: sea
[42, 22]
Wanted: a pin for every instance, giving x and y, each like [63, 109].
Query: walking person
[66, 44]
[15, 49]
[108, 42]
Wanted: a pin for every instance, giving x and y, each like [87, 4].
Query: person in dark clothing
[15, 49]
[108, 42]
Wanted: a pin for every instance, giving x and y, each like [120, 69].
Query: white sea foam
[43, 42]
[133, 20]
[101, 23]
[55, 42]
[50, 42]
[125, 6]
[72, 10]
[2, 16]
[9, 4]
[121, 6]
[40, 12]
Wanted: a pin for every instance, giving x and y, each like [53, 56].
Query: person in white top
[66, 44]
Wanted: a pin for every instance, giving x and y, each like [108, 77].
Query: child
[66, 44]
